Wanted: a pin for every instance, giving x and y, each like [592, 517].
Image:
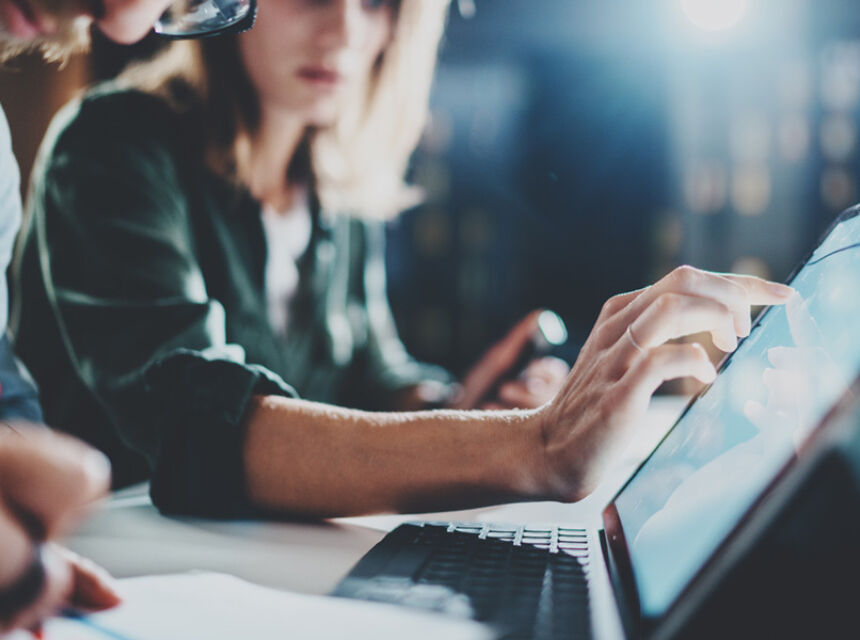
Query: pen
[82, 618]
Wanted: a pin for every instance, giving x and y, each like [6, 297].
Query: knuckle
[696, 352]
[601, 334]
[612, 305]
[669, 303]
[738, 305]
[739, 292]
[724, 311]
[653, 359]
[686, 276]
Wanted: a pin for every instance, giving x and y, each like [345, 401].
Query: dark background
[580, 148]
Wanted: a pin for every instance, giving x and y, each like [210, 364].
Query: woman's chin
[321, 115]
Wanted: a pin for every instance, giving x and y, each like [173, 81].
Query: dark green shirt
[141, 282]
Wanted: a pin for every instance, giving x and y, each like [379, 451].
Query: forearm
[316, 460]
[319, 460]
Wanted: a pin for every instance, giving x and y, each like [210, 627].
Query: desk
[130, 538]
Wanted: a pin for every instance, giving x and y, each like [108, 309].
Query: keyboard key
[529, 582]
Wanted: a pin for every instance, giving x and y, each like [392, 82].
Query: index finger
[736, 293]
[761, 291]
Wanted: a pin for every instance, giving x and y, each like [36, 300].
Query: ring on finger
[633, 340]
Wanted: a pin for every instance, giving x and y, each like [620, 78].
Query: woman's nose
[343, 24]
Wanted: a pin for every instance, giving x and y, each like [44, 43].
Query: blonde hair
[357, 164]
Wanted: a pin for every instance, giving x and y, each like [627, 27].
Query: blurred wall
[545, 165]
[580, 149]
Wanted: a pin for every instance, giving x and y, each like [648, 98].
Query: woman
[163, 332]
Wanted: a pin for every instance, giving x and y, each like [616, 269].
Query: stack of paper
[211, 606]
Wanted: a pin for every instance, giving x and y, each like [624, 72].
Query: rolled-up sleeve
[19, 399]
[120, 269]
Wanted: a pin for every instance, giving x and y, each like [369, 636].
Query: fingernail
[729, 344]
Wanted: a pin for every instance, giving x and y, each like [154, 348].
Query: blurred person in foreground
[46, 479]
[203, 246]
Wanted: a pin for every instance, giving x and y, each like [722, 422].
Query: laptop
[718, 532]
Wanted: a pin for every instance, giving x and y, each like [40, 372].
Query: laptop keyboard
[526, 582]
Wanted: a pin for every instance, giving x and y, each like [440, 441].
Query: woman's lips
[320, 76]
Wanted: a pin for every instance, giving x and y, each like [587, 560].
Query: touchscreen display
[795, 365]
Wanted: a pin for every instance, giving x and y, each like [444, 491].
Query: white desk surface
[129, 537]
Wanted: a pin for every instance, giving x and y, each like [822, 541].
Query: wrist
[535, 477]
[558, 466]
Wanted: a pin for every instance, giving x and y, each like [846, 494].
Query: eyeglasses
[203, 18]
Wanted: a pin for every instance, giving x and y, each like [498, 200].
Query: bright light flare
[715, 15]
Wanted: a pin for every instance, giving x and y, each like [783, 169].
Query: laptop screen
[730, 444]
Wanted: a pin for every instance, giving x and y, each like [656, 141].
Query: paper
[212, 606]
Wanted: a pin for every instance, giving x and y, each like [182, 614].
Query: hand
[46, 480]
[535, 386]
[625, 360]
[539, 383]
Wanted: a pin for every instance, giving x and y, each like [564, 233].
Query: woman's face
[307, 56]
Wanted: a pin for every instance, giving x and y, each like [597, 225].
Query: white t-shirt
[10, 213]
[288, 234]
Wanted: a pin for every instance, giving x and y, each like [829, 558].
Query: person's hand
[46, 482]
[626, 359]
[536, 385]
